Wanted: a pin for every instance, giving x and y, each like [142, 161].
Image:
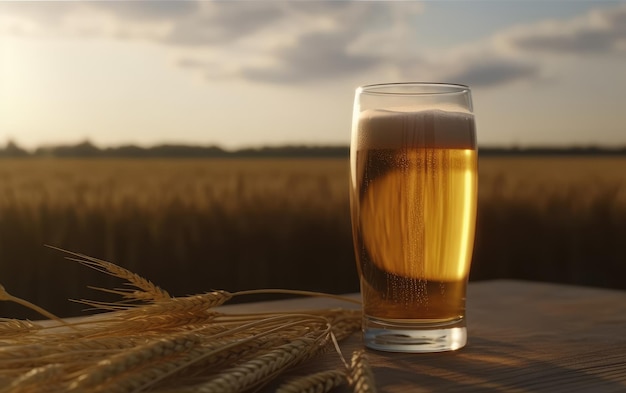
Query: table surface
[523, 337]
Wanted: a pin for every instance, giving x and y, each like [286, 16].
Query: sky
[250, 73]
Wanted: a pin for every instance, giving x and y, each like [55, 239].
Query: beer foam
[406, 127]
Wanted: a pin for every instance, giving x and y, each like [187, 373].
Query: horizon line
[11, 144]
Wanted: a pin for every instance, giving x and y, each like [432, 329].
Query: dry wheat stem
[80, 358]
[222, 353]
[351, 321]
[253, 333]
[128, 294]
[332, 313]
[4, 295]
[210, 352]
[296, 292]
[134, 346]
[320, 382]
[164, 314]
[121, 305]
[56, 345]
[344, 328]
[152, 324]
[99, 306]
[273, 323]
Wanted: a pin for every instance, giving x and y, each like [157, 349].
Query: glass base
[404, 336]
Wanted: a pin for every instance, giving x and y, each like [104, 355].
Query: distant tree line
[552, 151]
[89, 150]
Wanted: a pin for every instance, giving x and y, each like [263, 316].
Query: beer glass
[413, 191]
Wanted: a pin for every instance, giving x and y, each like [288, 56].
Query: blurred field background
[192, 225]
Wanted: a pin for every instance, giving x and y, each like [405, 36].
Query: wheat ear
[32, 380]
[256, 371]
[361, 376]
[148, 290]
[128, 360]
[63, 344]
[11, 328]
[201, 358]
[180, 341]
[187, 304]
[321, 382]
[239, 343]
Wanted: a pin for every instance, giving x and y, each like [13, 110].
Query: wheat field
[235, 224]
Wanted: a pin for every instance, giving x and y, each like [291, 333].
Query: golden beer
[413, 200]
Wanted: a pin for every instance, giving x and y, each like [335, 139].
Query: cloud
[28, 18]
[222, 22]
[495, 71]
[314, 56]
[310, 41]
[599, 31]
[340, 39]
[148, 10]
[521, 53]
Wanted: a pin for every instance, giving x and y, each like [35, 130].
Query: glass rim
[413, 89]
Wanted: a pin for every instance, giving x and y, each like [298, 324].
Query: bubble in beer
[415, 178]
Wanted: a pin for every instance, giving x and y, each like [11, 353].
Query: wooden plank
[523, 337]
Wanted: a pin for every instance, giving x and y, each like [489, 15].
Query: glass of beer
[413, 191]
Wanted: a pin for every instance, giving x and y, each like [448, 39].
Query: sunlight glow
[469, 199]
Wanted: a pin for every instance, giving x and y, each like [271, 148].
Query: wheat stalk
[297, 292]
[4, 295]
[108, 368]
[162, 314]
[209, 354]
[79, 359]
[320, 382]
[171, 341]
[344, 323]
[59, 344]
[199, 359]
[194, 303]
[255, 371]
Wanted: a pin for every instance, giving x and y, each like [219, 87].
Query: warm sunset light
[312, 195]
[255, 73]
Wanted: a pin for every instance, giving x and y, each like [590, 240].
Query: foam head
[403, 127]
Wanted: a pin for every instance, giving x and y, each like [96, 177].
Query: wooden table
[523, 337]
